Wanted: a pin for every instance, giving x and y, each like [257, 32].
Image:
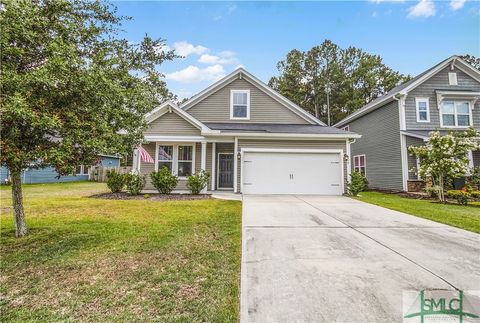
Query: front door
[225, 170]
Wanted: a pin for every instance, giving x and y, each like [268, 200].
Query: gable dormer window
[240, 104]
[423, 110]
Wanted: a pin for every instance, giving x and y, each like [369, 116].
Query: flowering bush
[445, 157]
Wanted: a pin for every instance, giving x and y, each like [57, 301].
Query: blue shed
[50, 175]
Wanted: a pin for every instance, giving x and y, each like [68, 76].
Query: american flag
[145, 155]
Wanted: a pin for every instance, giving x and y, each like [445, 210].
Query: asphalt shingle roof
[275, 128]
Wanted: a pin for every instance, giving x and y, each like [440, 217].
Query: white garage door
[292, 173]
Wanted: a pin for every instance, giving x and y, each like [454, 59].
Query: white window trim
[364, 166]
[417, 101]
[175, 156]
[231, 104]
[455, 114]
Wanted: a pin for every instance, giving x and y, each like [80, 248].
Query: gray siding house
[249, 138]
[444, 97]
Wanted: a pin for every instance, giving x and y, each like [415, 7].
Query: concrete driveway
[324, 259]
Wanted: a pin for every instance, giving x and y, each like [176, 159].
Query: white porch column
[235, 165]
[203, 162]
[404, 159]
[214, 168]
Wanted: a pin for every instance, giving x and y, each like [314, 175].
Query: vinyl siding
[263, 108]
[438, 81]
[380, 143]
[171, 124]
[288, 144]
[412, 159]
[110, 162]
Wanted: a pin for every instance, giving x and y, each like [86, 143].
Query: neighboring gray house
[249, 138]
[444, 97]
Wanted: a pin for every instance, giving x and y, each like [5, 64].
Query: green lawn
[104, 260]
[465, 217]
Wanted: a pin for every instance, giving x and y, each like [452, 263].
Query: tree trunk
[17, 200]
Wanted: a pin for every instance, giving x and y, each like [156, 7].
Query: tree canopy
[351, 76]
[71, 87]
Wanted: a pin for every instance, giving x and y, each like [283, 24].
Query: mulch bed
[151, 196]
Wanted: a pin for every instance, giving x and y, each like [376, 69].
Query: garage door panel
[292, 173]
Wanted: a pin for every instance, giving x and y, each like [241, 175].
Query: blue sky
[217, 37]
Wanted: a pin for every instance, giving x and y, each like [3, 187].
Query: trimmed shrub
[475, 194]
[135, 183]
[115, 181]
[358, 183]
[197, 182]
[461, 196]
[164, 181]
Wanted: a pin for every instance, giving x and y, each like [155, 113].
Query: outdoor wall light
[345, 157]
[239, 155]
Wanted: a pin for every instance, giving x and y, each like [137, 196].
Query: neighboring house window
[81, 170]
[359, 164]
[346, 128]
[185, 160]
[452, 78]
[165, 157]
[240, 104]
[423, 110]
[456, 114]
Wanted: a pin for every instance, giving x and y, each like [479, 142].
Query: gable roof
[243, 74]
[171, 106]
[404, 88]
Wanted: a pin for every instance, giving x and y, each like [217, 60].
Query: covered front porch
[184, 156]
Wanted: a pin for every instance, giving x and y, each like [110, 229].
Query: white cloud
[184, 48]
[192, 74]
[457, 4]
[225, 57]
[374, 14]
[424, 8]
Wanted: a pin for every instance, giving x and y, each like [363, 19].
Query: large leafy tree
[71, 87]
[330, 76]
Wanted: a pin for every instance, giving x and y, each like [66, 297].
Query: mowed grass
[464, 217]
[88, 259]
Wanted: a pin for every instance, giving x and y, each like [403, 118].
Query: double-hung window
[165, 157]
[240, 104]
[456, 114]
[359, 164]
[185, 160]
[179, 159]
[423, 110]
